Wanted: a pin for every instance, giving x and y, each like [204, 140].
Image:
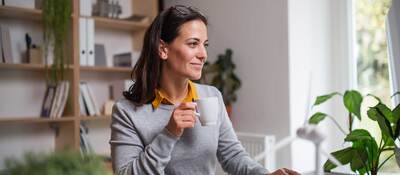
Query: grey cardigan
[141, 145]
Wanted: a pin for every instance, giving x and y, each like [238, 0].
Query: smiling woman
[155, 130]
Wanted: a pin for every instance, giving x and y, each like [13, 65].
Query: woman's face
[187, 53]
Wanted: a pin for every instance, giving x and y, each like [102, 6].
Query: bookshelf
[66, 128]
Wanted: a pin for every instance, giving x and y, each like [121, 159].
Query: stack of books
[55, 100]
[87, 101]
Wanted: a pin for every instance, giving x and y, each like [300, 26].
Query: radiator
[255, 144]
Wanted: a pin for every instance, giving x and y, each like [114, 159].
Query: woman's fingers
[289, 172]
[285, 171]
[187, 106]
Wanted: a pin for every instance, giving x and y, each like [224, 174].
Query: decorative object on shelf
[38, 4]
[35, 55]
[122, 60]
[100, 55]
[109, 9]
[137, 18]
[28, 40]
[364, 153]
[56, 17]
[60, 163]
[221, 75]
[107, 108]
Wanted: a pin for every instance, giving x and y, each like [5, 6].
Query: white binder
[90, 41]
[82, 42]
[86, 41]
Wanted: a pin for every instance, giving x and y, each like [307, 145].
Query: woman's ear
[163, 50]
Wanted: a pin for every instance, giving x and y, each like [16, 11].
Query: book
[93, 100]
[89, 100]
[6, 43]
[86, 99]
[57, 99]
[63, 100]
[47, 101]
[82, 108]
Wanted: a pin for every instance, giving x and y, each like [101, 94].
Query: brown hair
[147, 71]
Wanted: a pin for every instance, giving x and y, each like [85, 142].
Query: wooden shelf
[92, 118]
[35, 120]
[119, 24]
[106, 69]
[20, 13]
[34, 67]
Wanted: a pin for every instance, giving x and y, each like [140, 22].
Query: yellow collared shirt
[162, 99]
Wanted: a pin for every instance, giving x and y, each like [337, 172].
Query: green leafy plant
[56, 16]
[222, 76]
[63, 163]
[364, 154]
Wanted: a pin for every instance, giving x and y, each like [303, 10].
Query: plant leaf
[317, 117]
[358, 160]
[387, 113]
[372, 113]
[384, 124]
[396, 116]
[344, 156]
[323, 98]
[352, 100]
[358, 135]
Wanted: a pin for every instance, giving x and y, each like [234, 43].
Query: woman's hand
[182, 117]
[284, 171]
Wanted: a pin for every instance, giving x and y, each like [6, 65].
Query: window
[372, 62]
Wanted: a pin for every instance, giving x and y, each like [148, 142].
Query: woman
[154, 129]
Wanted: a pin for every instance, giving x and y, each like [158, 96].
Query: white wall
[257, 32]
[318, 43]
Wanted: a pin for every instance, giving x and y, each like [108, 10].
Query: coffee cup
[207, 110]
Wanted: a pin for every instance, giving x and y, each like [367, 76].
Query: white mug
[207, 109]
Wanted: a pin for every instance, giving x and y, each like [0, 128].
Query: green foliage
[64, 163]
[222, 76]
[56, 18]
[364, 153]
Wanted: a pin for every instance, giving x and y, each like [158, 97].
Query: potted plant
[56, 17]
[364, 154]
[221, 75]
[63, 163]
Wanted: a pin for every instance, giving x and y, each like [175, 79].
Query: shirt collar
[162, 99]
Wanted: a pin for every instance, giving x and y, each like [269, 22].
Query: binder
[82, 42]
[86, 41]
[90, 40]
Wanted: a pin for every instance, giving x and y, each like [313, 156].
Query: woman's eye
[194, 44]
[206, 45]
